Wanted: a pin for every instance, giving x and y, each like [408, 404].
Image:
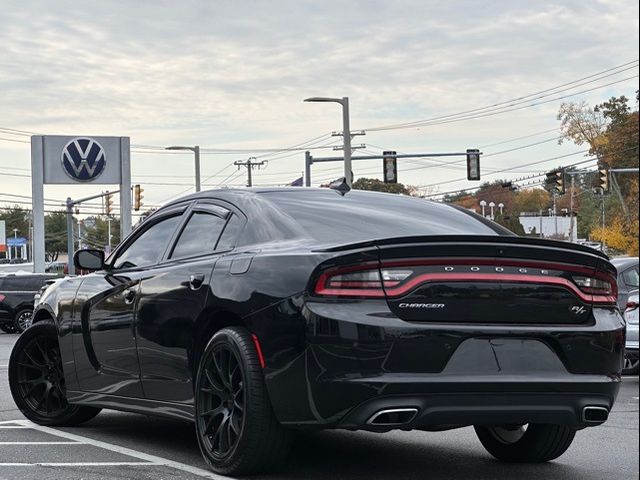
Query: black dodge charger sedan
[258, 312]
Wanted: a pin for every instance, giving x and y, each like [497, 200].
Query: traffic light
[390, 167]
[473, 164]
[603, 177]
[108, 203]
[559, 182]
[137, 197]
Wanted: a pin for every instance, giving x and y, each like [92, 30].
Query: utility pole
[571, 220]
[250, 165]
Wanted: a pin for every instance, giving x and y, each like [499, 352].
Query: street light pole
[346, 141]
[196, 153]
[346, 132]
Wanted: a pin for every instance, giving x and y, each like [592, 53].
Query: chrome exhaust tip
[393, 417]
[592, 414]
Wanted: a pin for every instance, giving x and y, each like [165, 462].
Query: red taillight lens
[366, 282]
[2, 297]
[603, 288]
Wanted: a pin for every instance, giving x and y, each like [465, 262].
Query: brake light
[603, 288]
[360, 282]
[2, 297]
[630, 305]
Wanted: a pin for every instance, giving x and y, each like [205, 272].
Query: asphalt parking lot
[127, 446]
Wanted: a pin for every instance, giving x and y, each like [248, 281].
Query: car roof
[622, 263]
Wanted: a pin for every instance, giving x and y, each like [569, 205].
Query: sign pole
[70, 265]
[125, 187]
[37, 202]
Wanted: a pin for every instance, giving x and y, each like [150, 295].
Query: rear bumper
[335, 365]
[507, 405]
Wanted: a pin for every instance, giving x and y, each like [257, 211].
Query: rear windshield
[359, 216]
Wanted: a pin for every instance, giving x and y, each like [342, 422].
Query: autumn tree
[611, 132]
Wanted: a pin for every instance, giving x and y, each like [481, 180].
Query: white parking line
[147, 458]
[10, 427]
[76, 464]
[41, 443]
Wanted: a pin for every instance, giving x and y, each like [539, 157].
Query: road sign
[77, 160]
[82, 159]
[16, 242]
[3, 236]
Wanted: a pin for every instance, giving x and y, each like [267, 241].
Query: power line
[518, 100]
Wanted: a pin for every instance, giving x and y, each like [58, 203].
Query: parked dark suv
[16, 299]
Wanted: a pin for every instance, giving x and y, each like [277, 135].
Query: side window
[148, 248]
[199, 236]
[631, 277]
[229, 237]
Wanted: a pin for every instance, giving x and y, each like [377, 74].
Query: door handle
[195, 281]
[129, 296]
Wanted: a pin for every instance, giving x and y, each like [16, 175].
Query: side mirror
[89, 259]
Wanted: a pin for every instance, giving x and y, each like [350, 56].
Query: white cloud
[227, 73]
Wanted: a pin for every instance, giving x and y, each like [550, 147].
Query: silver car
[631, 348]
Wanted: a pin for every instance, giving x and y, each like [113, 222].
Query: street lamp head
[178, 147]
[492, 204]
[483, 203]
[323, 99]
[501, 205]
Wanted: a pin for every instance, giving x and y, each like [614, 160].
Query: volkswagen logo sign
[83, 159]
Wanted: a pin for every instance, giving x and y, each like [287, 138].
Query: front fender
[58, 305]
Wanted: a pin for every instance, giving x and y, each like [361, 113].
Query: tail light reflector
[2, 297]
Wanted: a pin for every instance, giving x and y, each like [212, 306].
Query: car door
[105, 353]
[174, 298]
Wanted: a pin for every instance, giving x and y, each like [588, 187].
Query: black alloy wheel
[222, 400]
[36, 379]
[7, 328]
[237, 431]
[22, 320]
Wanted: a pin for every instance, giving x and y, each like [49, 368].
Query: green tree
[97, 231]
[17, 218]
[55, 236]
[376, 185]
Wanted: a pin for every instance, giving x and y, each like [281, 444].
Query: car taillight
[2, 297]
[351, 282]
[599, 287]
[630, 306]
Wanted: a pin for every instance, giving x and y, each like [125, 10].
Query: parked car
[631, 363]
[16, 299]
[627, 278]
[57, 267]
[255, 312]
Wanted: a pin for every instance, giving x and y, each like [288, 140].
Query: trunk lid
[492, 279]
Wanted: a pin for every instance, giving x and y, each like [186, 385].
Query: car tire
[631, 364]
[22, 319]
[535, 443]
[7, 328]
[36, 379]
[237, 431]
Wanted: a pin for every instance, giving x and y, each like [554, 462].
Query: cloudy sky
[232, 75]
